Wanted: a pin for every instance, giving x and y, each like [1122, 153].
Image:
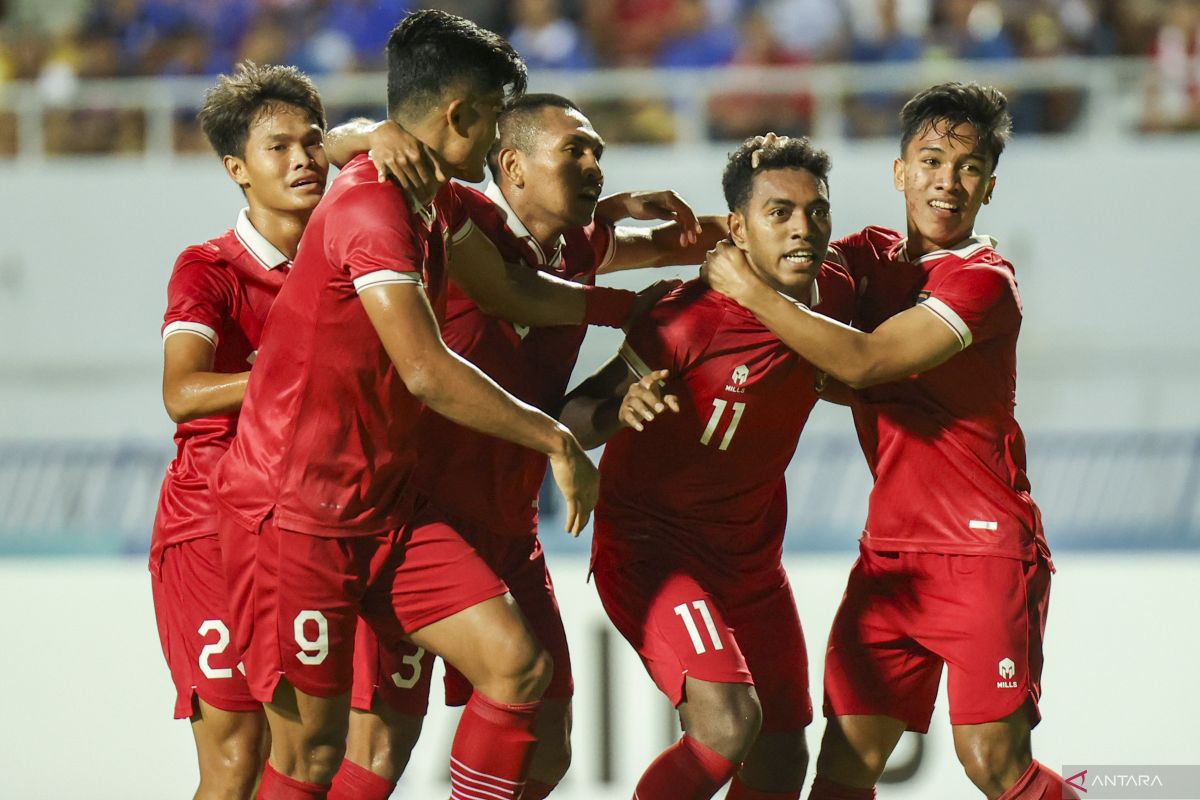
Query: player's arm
[530, 297]
[911, 342]
[451, 386]
[393, 150]
[614, 398]
[190, 387]
[684, 239]
[831, 390]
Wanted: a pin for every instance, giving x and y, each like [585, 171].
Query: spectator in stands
[545, 38]
[1173, 98]
[364, 26]
[883, 38]
[974, 29]
[695, 39]
[808, 30]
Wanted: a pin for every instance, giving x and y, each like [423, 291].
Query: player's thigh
[771, 638]
[676, 625]
[522, 566]
[194, 624]
[307, 593]
[989, 631]
[873, 666]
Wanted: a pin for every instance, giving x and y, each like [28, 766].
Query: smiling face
[284, 166]
[946, 177]
[560, 175]
[784, 228]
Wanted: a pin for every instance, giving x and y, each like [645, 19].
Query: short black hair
[517, 123]
[431, 50]
[788, 153]
[951, 105]
[231, 106]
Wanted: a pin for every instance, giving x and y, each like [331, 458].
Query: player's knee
[729, 727]
[320, 754]
[522, 674]
[992, 762]
[862, 760]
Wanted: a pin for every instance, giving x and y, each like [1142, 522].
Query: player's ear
[898, 174]
[987, 197]
[737, 229]
[459, 116]
[236, 169]
[511, 166]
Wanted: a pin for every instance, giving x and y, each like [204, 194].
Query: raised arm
[190, 388]
[393, 150]
[456, 389]
[683, 240]
[911, 342]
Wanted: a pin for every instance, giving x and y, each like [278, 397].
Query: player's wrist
[607, 306]
[614, 207]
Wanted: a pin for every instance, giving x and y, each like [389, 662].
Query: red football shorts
[194, 628]
[399, 676]
[684, 625]
[905, 614]
[297, 598]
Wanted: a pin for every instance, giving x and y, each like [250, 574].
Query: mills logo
[1008, 671]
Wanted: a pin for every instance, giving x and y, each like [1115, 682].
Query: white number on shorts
[214, 649]
[312, 651]
[685, 614]
[414, 661]
[718, 412]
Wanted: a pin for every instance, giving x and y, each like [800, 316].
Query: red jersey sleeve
[602, 236]
[454, 206]
[672, 335]
[371, 233]
[200, 296]
[978, 302]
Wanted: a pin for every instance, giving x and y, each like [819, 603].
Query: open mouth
[945, 205]
[302, 182]
[801, 258]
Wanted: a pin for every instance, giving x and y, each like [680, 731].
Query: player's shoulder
[835, 291]
[873, 239]
[215, 255]
[357, 188]
[691, 307]
[978, 254]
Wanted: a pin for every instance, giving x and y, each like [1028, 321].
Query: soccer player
[539, 213]
[318, 522]
[266, 123]
[689, 530]
[954, 566]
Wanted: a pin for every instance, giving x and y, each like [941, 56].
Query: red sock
[687, 770]
[825, 789]
[740, 791]
[274, 786]
[353, 782]
[536, 790]
[1040, 783]
[492, 749]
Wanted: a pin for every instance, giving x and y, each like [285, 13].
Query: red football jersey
[945, 449]
[325, 441]
[707, 484]
[533, 364]
[220, 290]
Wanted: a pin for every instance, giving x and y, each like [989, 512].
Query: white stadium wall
[1100, 232]
[88, 698]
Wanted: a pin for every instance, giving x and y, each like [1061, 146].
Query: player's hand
[727, 270]
[648, 297]
[578, 480]
[666, 205]
[645, 400]
[399, 155]
[761, 142]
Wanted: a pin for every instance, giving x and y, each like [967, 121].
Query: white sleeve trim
[463, 231]
[196, 328]
[949, 316]
[612, 247]
[382, 276]
[634, 361]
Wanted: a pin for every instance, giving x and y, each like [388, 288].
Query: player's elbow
[179, 408]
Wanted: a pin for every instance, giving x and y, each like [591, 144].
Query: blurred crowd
[57, 42]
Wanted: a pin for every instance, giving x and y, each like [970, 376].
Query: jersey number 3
[719, 407]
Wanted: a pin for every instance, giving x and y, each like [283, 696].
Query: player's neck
[280, 228]
[543, 231]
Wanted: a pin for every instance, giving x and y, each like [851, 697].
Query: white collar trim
[964, 249]
[256, 244]
[515, 225]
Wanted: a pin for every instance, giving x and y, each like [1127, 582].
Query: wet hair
[431, 51]
[232, 106]
[790, 153]
[949, 105]
[518, 124]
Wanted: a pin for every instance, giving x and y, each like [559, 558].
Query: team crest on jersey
[737, 380]
[1008, 671]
